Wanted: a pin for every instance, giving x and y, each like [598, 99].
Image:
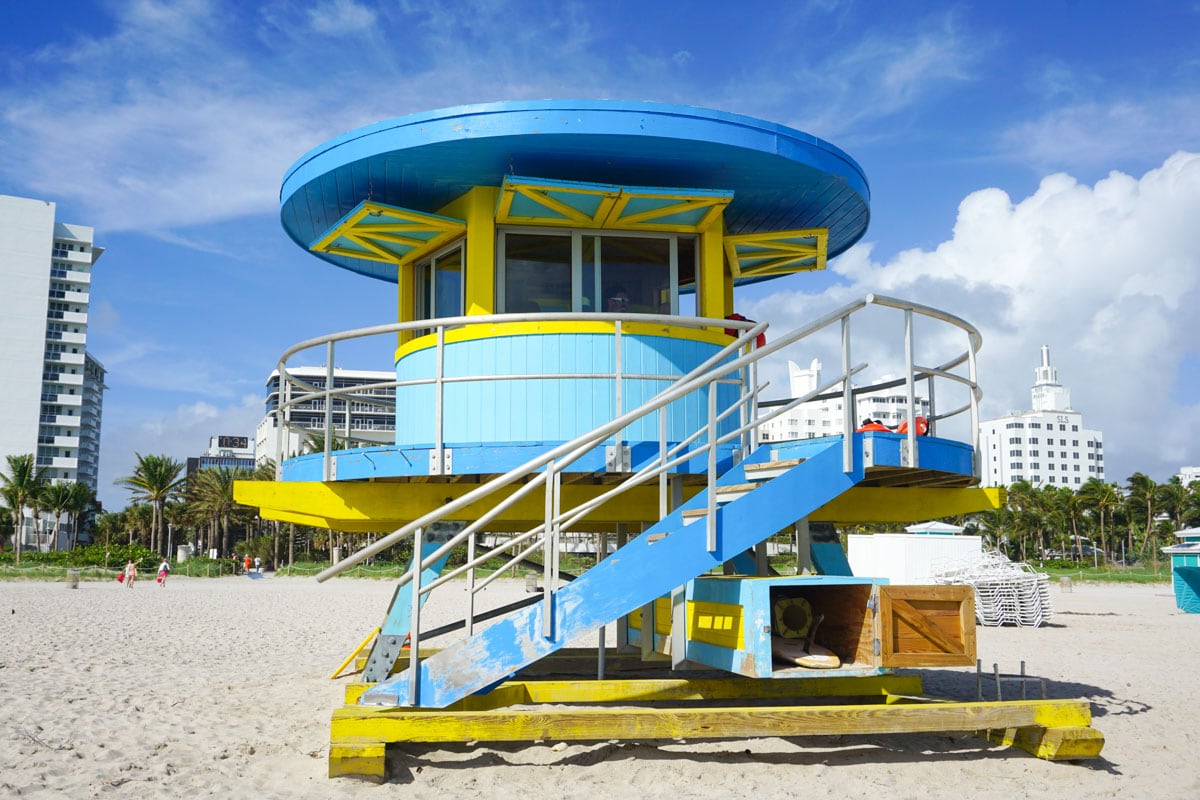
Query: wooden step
[770, 469]
[727, 494]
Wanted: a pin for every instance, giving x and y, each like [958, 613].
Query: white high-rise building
[824, 417]
[52, 388]
[371, 418]
[1047, 446]
[1188, 475]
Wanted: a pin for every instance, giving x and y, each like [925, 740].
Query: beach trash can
[73, 578]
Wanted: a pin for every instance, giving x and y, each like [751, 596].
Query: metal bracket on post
[382, 658]
[907, 452]
[617, 458]
[441, 462]
[868, 452]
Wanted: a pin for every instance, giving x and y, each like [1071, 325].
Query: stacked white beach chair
[1006, 593]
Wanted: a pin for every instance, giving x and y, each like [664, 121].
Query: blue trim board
[781, 178]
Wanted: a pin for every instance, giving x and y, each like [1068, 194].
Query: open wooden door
[926, 626]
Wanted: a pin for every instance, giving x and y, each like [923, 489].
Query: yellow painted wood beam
[478, 207]
[380, 724]
[907, 504]
[1052, 744]
[364, 760]
[377, 506]
[645, 690]
[716, 286]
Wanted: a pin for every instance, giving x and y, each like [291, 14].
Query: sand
[221, 688]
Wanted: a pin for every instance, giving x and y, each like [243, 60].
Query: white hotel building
[52, 387]
[1047, 446]
[824, 417]
[370, 419]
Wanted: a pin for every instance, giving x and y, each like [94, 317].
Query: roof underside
[780, 178]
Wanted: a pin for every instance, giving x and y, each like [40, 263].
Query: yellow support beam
[906, 504]
[386, 505]
[1052, 744]
[389, 724]
[478, 207]
[715, 286]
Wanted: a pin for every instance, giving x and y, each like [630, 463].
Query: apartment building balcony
[67, 337]
[62, 357]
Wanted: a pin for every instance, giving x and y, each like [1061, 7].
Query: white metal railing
[296, 393]
[544, 472]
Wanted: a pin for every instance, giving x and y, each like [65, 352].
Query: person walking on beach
[247, 563]
[130, 572]
[164, 569]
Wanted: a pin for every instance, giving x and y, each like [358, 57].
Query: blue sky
[1033, 168]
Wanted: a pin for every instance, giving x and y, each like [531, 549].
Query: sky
[1034, 168]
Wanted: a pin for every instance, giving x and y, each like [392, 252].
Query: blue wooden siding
[549, 409]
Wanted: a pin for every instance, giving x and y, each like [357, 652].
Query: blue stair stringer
[636, 574]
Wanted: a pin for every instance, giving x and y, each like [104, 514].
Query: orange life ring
[921, 424]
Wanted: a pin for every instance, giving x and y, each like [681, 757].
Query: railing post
[328, 463]
[752, 388]
[548, 542]
[929, 389]
[471, 584]
[414, 633]
[662, 459]
[618, 400]
[281, 411]
[848, 425]
[437, 467]
[978, 468]
[710, 519]
[909, 460]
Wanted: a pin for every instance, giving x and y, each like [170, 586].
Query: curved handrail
[707, 373]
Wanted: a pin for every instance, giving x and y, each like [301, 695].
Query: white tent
[934, 527]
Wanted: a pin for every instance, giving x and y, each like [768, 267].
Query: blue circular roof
[781, 178]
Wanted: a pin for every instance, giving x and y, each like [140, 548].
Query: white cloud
[341, 17]
[182, 433]
[1108, 275]
[1092, 133]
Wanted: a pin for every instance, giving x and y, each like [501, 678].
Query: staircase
[755, 499]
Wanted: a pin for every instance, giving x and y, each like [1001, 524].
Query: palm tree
[1141, 501]
[1172, 499]
[1102, 498]
[56, 498]
[21, 485]
[1190, 515]
[210, 492]
[81, 508]
[156, 479]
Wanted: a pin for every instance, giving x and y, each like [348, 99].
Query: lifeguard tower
[566, 361]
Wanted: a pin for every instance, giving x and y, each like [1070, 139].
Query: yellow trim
[715, 288]
[361, 506]
[719, 624]
[766, 254]
[483, 331]
[610, 207]
[405, 300]
[350, 657]
[477, 206]
[662, 617]
[645, 220]
[907, 504]
[353, 724]
[401, 221]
